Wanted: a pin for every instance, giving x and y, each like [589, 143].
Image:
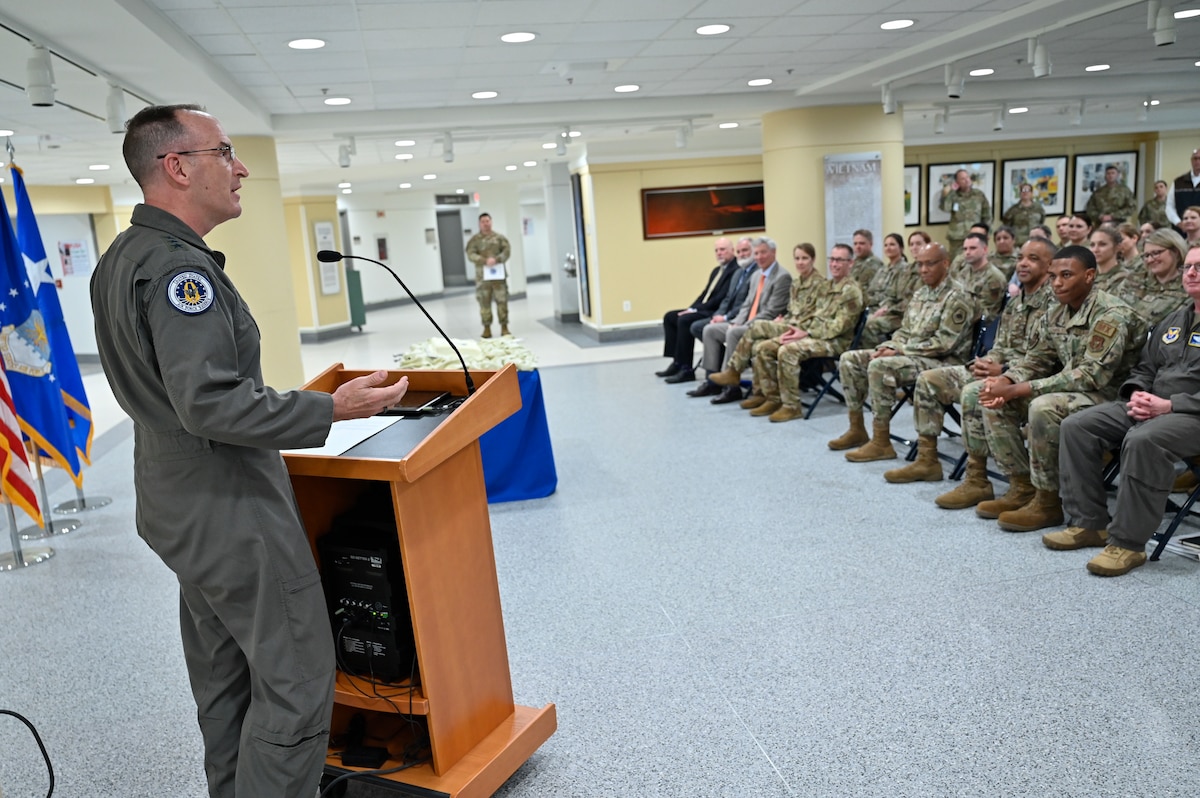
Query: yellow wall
[999, 151]
[314, 310]
[1177, 146]
[653, 276]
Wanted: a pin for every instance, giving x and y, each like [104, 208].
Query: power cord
[37, 737]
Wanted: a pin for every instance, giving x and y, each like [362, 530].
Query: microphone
[330, 256]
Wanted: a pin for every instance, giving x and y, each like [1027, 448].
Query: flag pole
[62, 527]
[82, 503]
[17, 558]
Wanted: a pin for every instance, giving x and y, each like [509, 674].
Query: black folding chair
[821, 373]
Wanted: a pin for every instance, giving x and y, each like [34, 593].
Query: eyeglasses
[225, 151]
[841, 260]
[1190, 267]
[1151, 254]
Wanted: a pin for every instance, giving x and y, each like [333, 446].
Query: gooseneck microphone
[330, 256]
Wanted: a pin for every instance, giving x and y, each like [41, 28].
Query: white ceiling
[410, 67]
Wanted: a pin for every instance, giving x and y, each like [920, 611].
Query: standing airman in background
[489, 252]
[1155, 210]
[1113, 202]
[966, 206]
[1025, 214]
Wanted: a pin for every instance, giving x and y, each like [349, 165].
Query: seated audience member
[1024, 214]
[939, 387]
[1005, 256]
[734, 297]
[825, 331]
[677, 337]
[1147, 228]
[1156, 423]
[1127, 250]
[891, 289]
[865, 263]
[1041, 231]
[1062, 228]
[1079, 230]
[766, 298]
[918, 240]
[1087, 346]
[1189, 225]
[958, 262]
[1109, 271]
[1156, 288]
[1155, 209]
[983, 282]
[936, 331]
[806, 289]
[1113, 202]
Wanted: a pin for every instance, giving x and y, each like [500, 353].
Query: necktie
[757, 296]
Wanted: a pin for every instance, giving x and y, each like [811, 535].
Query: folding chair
[985, 337]
[1181, 512]
[822, 372]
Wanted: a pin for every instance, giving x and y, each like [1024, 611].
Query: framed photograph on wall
[912, 196]
[941, 178]
[703, 210]
[1048, 176]
[1089, 174]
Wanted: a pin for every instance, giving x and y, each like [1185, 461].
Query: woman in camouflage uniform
[1109, 272]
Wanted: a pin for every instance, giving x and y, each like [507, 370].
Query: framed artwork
[1089, 174]
[941, 175]
[702, 210]
[912, 196]
[1048, 176]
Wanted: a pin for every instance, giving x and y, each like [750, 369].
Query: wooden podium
[464, 701]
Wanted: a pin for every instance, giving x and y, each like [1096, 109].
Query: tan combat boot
[926, 468]
[855, 436]
[726, 378]
[878, 448]
[1075, 537]
[1043, 510]
[1114, 561]
[787, 413]
[487, 332]
[752, 401]
[504, 330]
[1020, 491]
[974, 488]
[766, 408]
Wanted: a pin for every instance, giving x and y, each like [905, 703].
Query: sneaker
[1075, 537]
[1114, 561]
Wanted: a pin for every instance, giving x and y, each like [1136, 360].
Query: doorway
[450, 244]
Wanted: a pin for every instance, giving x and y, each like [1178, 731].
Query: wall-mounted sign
[451, 199]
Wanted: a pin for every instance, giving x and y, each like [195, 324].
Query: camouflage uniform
[1150, 299]
[936, 331]
[863, 271]
[1154, 211]
[1023, 219]
[894, 287]
[936, 388]
[479, 249]
[830, 329]
[1078, 361]
[965, 210]
[805, 294]
[1111, 282]
[987, 288]
[1007, 264]
[1116, 201]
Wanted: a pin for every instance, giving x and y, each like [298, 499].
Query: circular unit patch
[190, 292]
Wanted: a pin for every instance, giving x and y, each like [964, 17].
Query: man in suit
[677, 338]
[734, 297]
[766, 298]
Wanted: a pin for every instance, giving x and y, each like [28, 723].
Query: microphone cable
[37, 737]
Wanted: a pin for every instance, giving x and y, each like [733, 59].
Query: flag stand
[17, 558]
[82, 504]
[52, 527]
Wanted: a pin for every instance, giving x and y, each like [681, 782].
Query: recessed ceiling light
[429, 177]
[760, 82]
[347, 191]
[549, 145]
[344, 185]
[518, 37]
[405, 143]
[1151, 102]
[628, 87]
[6, 133]
[529, 163]
[406, 185]
[460, 191]
[99, 167]
[1096, 68]
[712, 30]
[727, 125]
[485, 177]
[1020, 109]
[404, 156]
[512, 167]
[981, 73]
[574, 134]
[337, 100]
[484, 95]
[84, 181]
[897, 24]
[1187, 13]
[306, 44]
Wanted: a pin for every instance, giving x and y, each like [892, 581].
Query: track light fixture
[447, 147]
[939, 123]
[889, 99]
[1077, 118]
[39, 78]
[1152, 15]
[1164, 26]
[1041, 61]
[560, 146]
[114, 108]
[344, 156]
[955, 82]
[998, 119]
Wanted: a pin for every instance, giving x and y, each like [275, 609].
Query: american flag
[16, 481]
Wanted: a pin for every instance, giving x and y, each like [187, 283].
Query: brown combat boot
[855, 436]
[926, 468]
[878, 448]
[726, 378]
[1020, 491]
[766, 408]
[752, 401]
[487, 332]
[504, 330]
[787, 413]
[974, 488]
[1185, 482]
[1043, 510]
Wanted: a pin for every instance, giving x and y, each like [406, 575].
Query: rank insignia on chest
[1171, 335]
[1194, 340]
[190, 292]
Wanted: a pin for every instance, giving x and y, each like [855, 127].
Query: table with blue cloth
[518, 461]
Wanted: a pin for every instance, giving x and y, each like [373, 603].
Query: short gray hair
[767, 242]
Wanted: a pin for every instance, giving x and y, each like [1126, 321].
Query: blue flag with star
[25, 347]
[62, 354]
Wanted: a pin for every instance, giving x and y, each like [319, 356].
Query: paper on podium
[345, 435]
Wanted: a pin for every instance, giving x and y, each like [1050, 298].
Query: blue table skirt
[518, 461]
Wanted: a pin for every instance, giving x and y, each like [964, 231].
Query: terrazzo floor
[717, 605]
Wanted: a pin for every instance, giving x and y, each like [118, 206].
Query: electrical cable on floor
[38, 738]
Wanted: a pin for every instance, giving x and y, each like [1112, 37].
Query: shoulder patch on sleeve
[1105, 329]
[190, 293]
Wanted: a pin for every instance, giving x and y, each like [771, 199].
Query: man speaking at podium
[181, 352]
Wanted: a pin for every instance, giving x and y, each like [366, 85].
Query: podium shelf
[352, 691]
